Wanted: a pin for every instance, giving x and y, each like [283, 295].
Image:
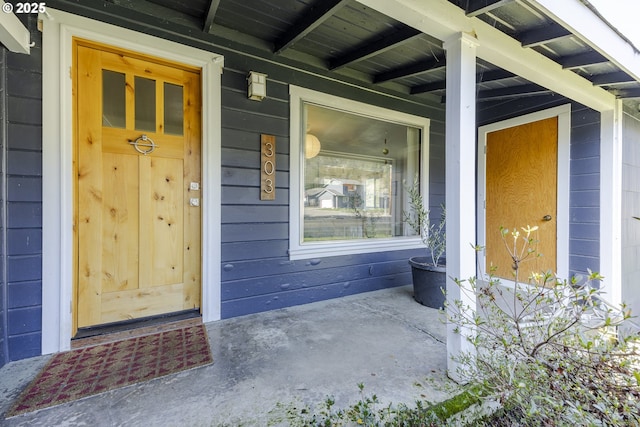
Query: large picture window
[350, 163]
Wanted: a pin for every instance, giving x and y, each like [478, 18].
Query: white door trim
[59, 28]
[563, 113]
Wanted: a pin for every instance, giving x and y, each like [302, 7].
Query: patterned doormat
[88, 371]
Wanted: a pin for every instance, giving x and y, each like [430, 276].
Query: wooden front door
[137, 206]
[521, 190]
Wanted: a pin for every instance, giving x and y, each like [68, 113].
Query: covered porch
[293, 357]
[459, 65]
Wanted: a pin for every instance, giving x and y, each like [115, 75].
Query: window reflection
[354, 169]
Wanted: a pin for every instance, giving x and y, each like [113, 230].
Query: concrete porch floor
[300, 355]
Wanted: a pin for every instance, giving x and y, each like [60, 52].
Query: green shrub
[551, 352]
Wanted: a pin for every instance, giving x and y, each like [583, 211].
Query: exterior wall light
[257, 86]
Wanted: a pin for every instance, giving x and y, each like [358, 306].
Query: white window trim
[563, 113]
[298, 250]
[59, 28]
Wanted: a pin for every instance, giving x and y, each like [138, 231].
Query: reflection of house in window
[329, 196]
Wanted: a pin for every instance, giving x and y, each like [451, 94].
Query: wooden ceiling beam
[493, 75]
[611, 78]
[542, 35]
[429, 87]
[210, 16]
[628, 93]
[478, 7]
[512, 92]
[319, 12]
[582, 60]
[413, 69]
[484, 77]
[369, 49]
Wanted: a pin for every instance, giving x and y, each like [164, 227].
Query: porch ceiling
[347, 40]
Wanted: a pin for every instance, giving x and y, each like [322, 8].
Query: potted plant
[428, 272]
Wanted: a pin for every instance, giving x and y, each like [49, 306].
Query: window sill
[338, 248]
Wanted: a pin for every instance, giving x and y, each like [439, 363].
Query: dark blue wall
[21, 233]
[257, 274]
[584, 196]
[4, 348]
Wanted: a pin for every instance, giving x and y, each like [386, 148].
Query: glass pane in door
[145, 100]
[113, 99]
[173, 109]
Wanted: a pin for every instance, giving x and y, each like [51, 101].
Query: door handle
[144, 141]
[546, 218]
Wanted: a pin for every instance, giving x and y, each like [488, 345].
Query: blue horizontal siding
[238, 195]
[24, 189]
[24, 163]
[310, 277]
[257, 274]
[584, 192]
[249, 269]
[24, 241]
[24, 320]
[24, 267]
[24, 294]
[24, 137]
[251, 231]
[24, 345]
[283, 299]
[234, 176]
[4, 349]
[238, 251]
[584, 247]
[240, 214]
[25, 84]
[244, 140]
[584, 214]
[22, 256]
[25, 110]
[24, 215]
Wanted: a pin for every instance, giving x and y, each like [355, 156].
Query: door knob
[546, 218]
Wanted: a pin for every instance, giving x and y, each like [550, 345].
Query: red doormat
[88, 371]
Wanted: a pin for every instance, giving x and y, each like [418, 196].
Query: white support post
[611, 203]
[13, 34]
[460, 186]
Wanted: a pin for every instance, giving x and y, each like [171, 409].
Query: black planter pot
[428, 282]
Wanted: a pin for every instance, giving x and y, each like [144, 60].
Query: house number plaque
[268, 169]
